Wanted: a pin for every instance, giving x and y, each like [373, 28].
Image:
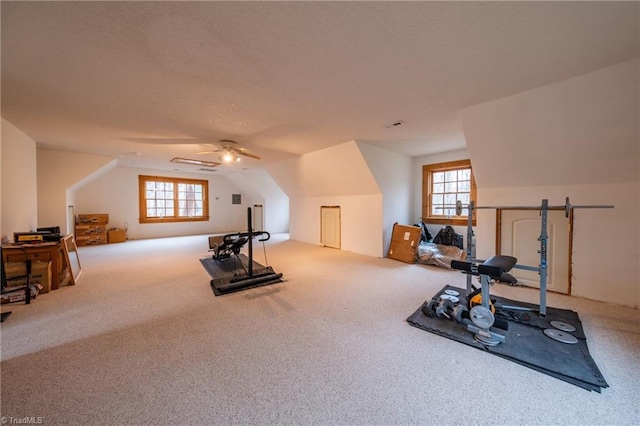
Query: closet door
[330, 226]
[258, 218]
[519, 234]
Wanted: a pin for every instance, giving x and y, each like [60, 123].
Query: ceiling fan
[229, 150]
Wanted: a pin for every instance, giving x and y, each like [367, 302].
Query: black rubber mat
[525, 342]
[230, 275]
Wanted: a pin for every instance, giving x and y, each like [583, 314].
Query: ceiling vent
[394, 124]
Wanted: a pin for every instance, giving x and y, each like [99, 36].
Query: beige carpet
[142, 340]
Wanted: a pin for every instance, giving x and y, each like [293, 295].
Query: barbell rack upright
[543, 257]
[542, 268]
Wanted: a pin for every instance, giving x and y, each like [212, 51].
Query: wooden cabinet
[90, 235]
[91, 229]
[39, 252]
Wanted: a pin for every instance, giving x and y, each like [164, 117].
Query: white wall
[58, 172]
[361, 216]
[116, 193]
[260, 188]
[19, 188]
[577, 138]
[337, 176]
[577, 131]
[394, 175]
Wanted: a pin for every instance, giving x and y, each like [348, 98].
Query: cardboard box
[40, 274]
[404, 243]
[116, 236]
[20, 295]
[92, 219]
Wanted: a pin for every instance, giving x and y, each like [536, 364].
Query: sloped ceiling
[339, 170]
[579, 131]
[286, 78]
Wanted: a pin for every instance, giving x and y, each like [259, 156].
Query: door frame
[339, 246]
[261, 206]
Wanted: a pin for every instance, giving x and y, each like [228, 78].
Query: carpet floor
[141, 340]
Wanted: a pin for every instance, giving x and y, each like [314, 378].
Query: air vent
[202, 169]
[394, 124]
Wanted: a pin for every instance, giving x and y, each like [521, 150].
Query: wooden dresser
[91, 229]
[39, 252]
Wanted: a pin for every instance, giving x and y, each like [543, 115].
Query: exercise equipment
[443, 307]
[525, 341]
[567, 206]
[542, 268]
[226, 267]
[562, 326]
[481, 311]
[561, 331]
[561, 336]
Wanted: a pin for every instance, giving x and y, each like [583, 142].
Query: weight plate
[425, 310]
[451, 293]
[481, 316]
[563, 326]
[459, 312]
[430, 308]
[486, 340]
[454, 299]
[561, 336]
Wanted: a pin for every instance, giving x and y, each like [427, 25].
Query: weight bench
[481, 316]
[496, 267]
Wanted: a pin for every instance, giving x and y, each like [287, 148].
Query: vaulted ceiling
[286, 78]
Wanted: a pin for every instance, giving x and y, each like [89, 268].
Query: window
[164, 199]
[443, 185]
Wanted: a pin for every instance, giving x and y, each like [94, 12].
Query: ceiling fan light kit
[230, 151]
[229, 157]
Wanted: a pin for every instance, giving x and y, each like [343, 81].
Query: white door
[519, 237]
[71, 221]
[330, 226]
[258, 217]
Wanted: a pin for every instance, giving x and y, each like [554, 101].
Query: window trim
[427, 174]
[142, 199]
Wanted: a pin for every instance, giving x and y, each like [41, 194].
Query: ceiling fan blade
[247, 153]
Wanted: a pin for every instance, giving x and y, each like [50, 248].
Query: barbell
[567, 207]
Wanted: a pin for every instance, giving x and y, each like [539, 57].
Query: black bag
[447, 237]
[425, 235]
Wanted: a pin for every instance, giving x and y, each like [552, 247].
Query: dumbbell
[445, 309]
[460, 313]
[430, 308]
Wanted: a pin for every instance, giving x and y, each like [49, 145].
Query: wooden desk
[42, 252]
